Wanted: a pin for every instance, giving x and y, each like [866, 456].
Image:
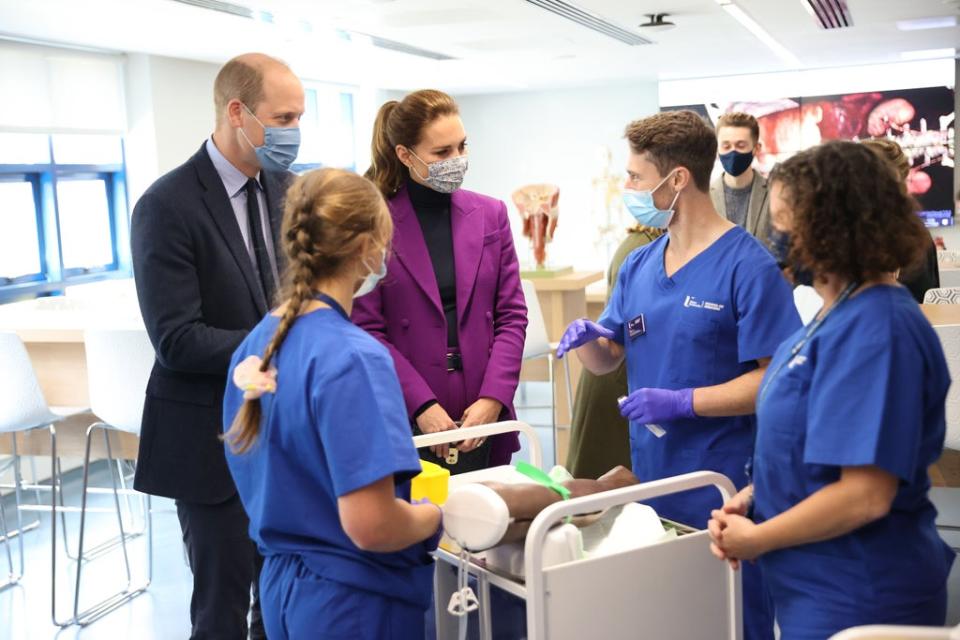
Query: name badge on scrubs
[636, 327]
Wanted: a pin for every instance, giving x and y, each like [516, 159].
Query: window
[20, 240]
[63, 211]
[84, 217]
[327, 133]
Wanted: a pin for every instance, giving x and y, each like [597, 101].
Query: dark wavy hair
[852, 215]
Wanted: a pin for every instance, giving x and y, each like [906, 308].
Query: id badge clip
[636, 327]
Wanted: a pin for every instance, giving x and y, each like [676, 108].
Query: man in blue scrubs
[697, 314]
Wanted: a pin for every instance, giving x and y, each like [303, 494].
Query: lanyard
[811, 329]
[797, 348]
[336, 306]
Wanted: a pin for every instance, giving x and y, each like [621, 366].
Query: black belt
[454, 362]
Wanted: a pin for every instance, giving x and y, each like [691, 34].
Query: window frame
[44, 177]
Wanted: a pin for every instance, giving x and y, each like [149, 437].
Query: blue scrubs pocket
[692, 353]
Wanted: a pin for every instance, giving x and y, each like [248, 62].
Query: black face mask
[780, 248]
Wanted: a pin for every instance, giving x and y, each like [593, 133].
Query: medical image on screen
[920, 120]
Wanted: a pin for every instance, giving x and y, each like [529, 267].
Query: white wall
[557, 137]
[169, 113]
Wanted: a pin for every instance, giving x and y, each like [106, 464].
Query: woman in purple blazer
[451, 309]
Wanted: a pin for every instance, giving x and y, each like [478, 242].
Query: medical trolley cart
[670, 589]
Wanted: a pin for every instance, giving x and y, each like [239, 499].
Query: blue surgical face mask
[641, 207]
[736, 162]
[280, 145]
[373, 278]
[444, 176]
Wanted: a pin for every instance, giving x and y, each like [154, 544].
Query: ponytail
[386, 171]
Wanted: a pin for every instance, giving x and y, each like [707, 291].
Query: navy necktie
[259, 242]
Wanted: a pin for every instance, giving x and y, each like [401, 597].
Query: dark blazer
[199, 296]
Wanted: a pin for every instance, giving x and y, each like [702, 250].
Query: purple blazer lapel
[410, 248]
[467, 229]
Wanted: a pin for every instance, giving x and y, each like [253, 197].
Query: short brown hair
[852, 216]
[892, 153]
[676, 138]
[403, 123]
[241, 78]
[740, 119]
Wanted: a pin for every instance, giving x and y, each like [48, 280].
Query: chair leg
[18, 496]
[53, 529]
[17, 486]
[553, 408]
[128, 592]
[12, 577]
[33, 476]
[63, 512]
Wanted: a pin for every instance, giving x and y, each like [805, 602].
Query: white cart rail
[670, 589]
[485, 431]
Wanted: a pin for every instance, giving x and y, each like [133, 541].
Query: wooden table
[941, 314]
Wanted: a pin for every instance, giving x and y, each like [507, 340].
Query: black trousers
[225, 564]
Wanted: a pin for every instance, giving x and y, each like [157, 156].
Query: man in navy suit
[205, 242]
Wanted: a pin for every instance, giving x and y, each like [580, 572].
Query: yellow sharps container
[431, 483]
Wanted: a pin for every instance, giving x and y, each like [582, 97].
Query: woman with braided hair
[323, 462]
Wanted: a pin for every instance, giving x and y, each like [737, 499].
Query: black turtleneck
[433, 213]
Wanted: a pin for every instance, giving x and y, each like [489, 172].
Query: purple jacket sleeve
[368, 315]
[509, 323]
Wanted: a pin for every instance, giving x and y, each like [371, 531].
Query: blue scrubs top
[867, 388]
[705, 325]
[336, 424]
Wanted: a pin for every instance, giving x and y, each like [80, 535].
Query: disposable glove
[658, 405]
[579, 333]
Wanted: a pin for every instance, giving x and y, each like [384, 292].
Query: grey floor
[162, 612]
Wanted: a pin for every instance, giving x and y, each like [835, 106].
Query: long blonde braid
[329, 214]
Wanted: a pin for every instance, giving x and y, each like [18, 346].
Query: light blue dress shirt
[235, 182]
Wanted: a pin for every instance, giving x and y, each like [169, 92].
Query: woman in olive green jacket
[600, 438]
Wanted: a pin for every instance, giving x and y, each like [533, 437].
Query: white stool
[118, 368]
[22, 408]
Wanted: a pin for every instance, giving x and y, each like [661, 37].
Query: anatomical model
[537, 204]
[484, 514]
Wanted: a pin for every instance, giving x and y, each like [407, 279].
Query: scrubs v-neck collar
[668, 282]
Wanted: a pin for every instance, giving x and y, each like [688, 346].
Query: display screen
[920, 120]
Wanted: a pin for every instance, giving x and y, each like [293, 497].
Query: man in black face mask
[740, 193]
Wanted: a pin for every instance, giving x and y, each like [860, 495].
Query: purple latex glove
[579, 333]
[658, 405]
[433, 541]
